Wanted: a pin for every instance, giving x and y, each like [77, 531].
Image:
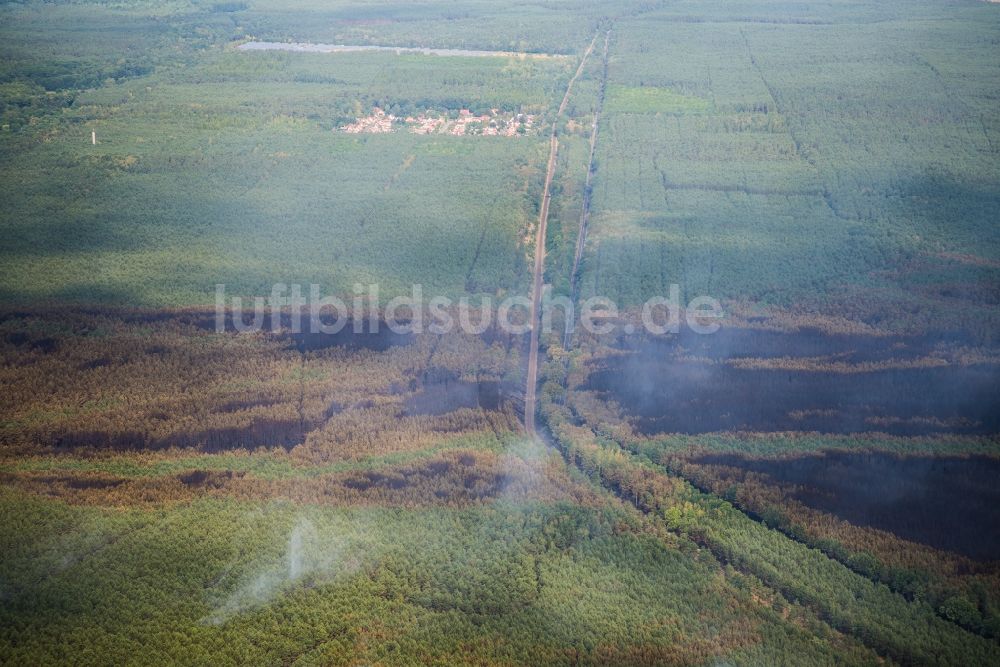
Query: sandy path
[539, 272]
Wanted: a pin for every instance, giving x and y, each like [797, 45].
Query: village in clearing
[493, 124]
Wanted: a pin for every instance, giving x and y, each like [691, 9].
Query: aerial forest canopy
[781, 449]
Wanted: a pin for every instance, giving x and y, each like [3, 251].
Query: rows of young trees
[909, 631]
[960, 589]
[733, 466]
[786, 166]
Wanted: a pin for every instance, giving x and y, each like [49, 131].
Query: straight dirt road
[539, 272]
[581, 236]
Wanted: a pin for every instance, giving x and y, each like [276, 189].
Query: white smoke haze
[318, 550]
[311, 557]
[524, 464]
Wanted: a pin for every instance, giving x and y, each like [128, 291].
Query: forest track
[581, 237]
[530, 402]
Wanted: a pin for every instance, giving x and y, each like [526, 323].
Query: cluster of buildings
[493, 124]
[378, 122]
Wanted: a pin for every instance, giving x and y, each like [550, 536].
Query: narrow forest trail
[540, 236]
[581, 237]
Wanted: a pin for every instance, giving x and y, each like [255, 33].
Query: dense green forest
[812, 485]
[226, 167]
[853, 162]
